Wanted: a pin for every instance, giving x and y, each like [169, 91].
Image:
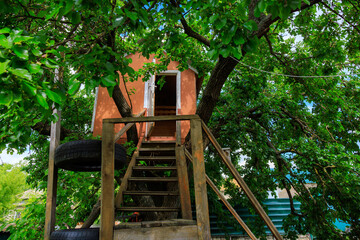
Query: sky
[12, 159]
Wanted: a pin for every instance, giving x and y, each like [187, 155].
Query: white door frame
[149, 99]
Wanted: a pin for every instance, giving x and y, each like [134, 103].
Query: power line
[295, 76]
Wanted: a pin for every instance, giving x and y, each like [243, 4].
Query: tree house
[156, 179]
[175, 95]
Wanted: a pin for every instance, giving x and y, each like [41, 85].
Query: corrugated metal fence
[278, 209]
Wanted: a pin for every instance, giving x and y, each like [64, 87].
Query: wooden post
[202, 209]
[182, 174]
[52, 178]
[107, 182]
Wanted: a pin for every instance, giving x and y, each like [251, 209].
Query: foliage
[32, 221]
[12, 183]
[306, 128]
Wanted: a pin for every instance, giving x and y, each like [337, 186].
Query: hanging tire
[76, 234]
[85, 156]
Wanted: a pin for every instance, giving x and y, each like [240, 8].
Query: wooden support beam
[127, 127]
[242, 184]
[201, 201]
[107, 182]
[151, 119]
[227, 204]
[52, 178]
[183, 179]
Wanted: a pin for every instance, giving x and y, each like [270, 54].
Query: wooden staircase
[155, 169]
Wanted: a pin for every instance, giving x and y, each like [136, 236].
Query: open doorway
[165, 104]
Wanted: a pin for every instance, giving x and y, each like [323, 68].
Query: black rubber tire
[76, 234]
[85, 156]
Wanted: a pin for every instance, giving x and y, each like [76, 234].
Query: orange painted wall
[106, 108]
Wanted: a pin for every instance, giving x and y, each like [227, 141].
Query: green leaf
[75, 18]
[5, 30]
[212, 53]
[225, 52]
[110, 67]
[110, 90]
[109, 81]
[21, 52]
[54, 96]
[238, 39]
[213, 18]
[42, 101]
[250, 25]
[29, 88]
[132, 15]
[119, 21]
[49, 64]
[36, 52]
[6, 97]
[220, 24]
[34, 68]
[237, 52]
[53, 12]
[23, 73]
[74, 87]
[6, 42]
[284, 12]
[20, 39]
[262, 5]
[3, 66]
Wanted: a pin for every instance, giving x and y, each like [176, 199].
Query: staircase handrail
[242, 183]
[223, 199]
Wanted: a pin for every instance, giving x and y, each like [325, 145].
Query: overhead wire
[295, 76]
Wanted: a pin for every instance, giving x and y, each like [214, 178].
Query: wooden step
[148, 209]
[156, 158]
[155, 168]
[158, 144]
[166, 151]
[151, 193]
[157, 149]
[153, 179]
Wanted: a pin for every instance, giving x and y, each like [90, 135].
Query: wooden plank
[188, 232]
[151, 119]
[124, 183]
[107, 182]
[152, 193]
[153, 179]
[127, 127]
[183, 181]
[202, 209]
[154, 168]
[156, 158]
[52, 178]
[227, 204]
[165, 149]
[242, 184]
[148, 209]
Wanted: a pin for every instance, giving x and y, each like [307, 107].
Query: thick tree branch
[189, 31]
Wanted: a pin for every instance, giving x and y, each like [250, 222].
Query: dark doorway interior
[165, 104]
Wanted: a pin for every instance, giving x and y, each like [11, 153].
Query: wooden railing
[242, 184]
[107, 173]
[200, 178]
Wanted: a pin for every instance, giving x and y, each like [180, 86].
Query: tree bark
[125, 111]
